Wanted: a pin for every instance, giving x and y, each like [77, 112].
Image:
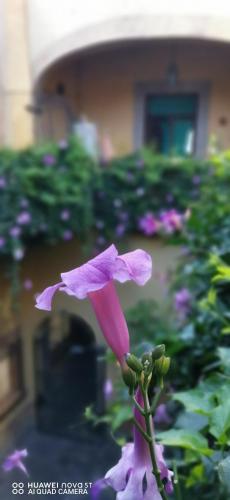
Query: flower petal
[117, 476]
[44, 300]
[136, 266]
[134, 487]
[152, 492]
[166, 473]
[93, 275]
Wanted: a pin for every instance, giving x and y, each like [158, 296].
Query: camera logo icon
[18, 488]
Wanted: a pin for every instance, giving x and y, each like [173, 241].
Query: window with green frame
[171, 123]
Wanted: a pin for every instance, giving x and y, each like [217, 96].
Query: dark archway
[69, 374]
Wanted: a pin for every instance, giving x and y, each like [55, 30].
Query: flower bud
[162, 365]
[158, 352]
[129, 378]
[134, 363]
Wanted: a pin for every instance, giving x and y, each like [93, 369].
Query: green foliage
[52, 187]
[44, 181]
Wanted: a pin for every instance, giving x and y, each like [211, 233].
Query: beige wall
[101, 84]
[85, 24]
[16, 122]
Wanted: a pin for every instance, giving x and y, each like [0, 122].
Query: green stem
[149, 429]
[141, 430]
[155, 402]
[176, 482]
[139, 407]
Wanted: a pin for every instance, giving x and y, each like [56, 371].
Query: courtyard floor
[57, 459]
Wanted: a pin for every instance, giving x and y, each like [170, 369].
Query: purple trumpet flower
[15, 461]
[132, 476]
[148, 224]
[95, 281]
[182, 303]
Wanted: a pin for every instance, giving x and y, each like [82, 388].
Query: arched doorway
[69, 374]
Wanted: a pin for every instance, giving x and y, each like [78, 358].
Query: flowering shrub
[54, 192]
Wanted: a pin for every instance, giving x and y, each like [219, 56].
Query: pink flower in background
[2, 242]
[28, 284]
[107, 150]
[182, 303]
[15, 231]
[108, 389]
[67, 235]
[24, 218]
[171, 221]
[65, 214]
[3, 182]
[63, 144]
[148, 224]
[15, 461]
[132, 476]
[49, 160]
[95, 281]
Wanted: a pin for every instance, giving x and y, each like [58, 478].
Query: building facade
[141, 73]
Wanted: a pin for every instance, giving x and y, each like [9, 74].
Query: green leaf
[196, 475]
[226, 330]
[191, 440]
[220, 421]
[224, 473]
[224, 355]
[195, 401]
[122, 415]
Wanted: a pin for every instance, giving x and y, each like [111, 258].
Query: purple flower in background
[43, 227]
[161, 416]
[101, 241]
[169, 197]
[129, 176]
[140, 163]
[123, 216]
[196, 180]
[68, 235]
[49, 160]
[63, 144]
[182, 303]
[140, 191]
[65, 214]
[148, 224]
[28, 284]
[2, 182]
[132, 476]
[108, 389]
[18, 254]
[95, 281]
[24, 203]
[171, 221]
[15, 231]
[15, 461]
[120, 230]
[117, 203]
[24, 218]
[2, 242]
[99, 224]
